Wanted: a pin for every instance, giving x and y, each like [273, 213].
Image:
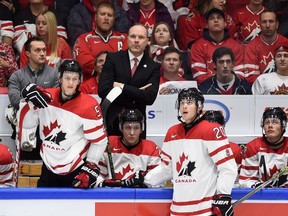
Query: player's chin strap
[276, 144]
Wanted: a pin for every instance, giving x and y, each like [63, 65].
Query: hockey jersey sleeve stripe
[224, 160]
[249, 167]
[198, 64]
[248, 178]
[93, 129]
[213, 153]
[98, 139]
[253, 66]
[7, 169]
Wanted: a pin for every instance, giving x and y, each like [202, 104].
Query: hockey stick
[112, 95]
[263, 163]
[263, 185]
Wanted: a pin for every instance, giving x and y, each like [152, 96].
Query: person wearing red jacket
[190, 27]
[88, 45]
[247, 20]
[7, 164]
[259, 53]
[90, 86]
[215, 35]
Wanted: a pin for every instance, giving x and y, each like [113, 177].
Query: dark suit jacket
[117, 68]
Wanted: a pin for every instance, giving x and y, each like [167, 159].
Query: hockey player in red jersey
[6, 167]
[70, 126]
[132, 156]
[196, 153]
[265, 156]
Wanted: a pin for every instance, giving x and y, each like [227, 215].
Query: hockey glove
[258, 184]
[87, 176]
[221, 205]
[136, 180]
[110, 183]
[37, 95]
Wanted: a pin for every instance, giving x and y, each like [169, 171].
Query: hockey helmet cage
[131, 115]
[190, 93]
[70, 66]
[275, 112]
[214, 116]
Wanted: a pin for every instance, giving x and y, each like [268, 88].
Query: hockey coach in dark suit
[135, 73]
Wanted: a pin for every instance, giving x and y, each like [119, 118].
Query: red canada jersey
[89, 86]
[190, 28]
[88, 46]
[144, 156]
[260, 162]
[148, 19]
[259, 57]
[202, 65]
[248, 24]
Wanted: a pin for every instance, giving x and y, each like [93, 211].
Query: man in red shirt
[215, 35]
[88, 45]
[259, 56]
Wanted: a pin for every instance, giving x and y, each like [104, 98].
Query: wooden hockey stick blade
[112, 95]
[251, 193]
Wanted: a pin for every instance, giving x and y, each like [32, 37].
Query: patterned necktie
[134, 66]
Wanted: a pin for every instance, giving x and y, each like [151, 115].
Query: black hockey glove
[136, 180]
[37, 95]
[221, 205]
[87, 176]
[258, 184]
[110, 183]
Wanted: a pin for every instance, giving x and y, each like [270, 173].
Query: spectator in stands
[6, 167]
[133, 157]
[6, 21]
[174, 12]
[82, 19]
[149, 13]
[103, 37]
[57, 48]
[62, 7]
[247, 20]
[8, 63]
[161, 38]
[225, 81]
[259, 57]
[25, 23]
[190, 27]
[135, 73]
[36, 71]
[274, 83]
[265, 156]
[215, 35]
[170, 69]
[90, 86]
